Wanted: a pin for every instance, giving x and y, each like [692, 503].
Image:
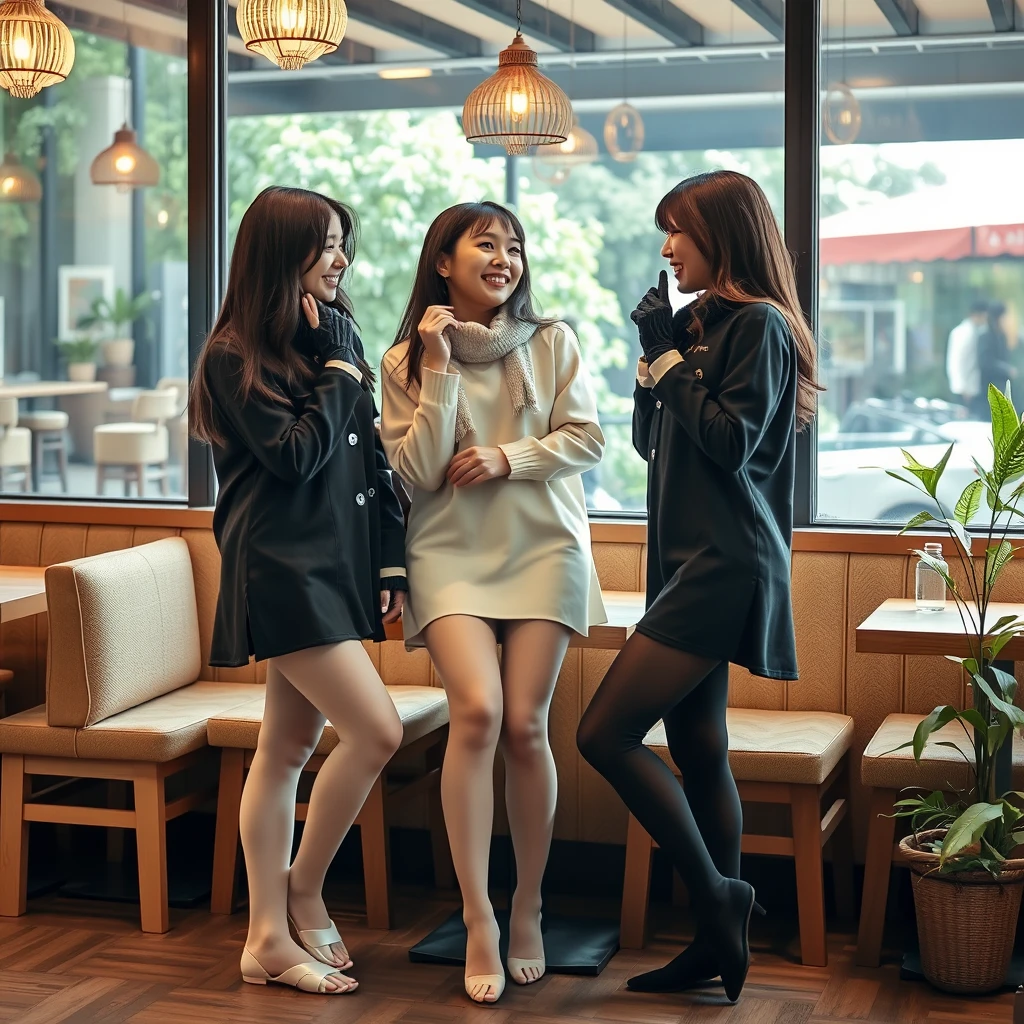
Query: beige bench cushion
[421, 708]
[157, 731]
[801, 747]
[123, 630]
[940, 767]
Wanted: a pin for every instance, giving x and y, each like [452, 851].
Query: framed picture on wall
[77, 289]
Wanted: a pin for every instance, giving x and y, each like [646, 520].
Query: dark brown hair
[729, 220]
[280, 238]
[431, 289]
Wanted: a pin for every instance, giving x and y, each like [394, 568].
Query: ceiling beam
[769, 14]
[1003, 15]
[538, 22]
[664, 18]
[415, 27]
[903, 15]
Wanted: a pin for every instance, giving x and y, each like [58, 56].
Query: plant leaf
[968, 828]
[1004, 420]
[960, 531]
[921, 518]
[941, 716]
[969, 503]
[995, 559]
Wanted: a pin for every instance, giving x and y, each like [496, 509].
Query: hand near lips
[477, 465]
[392, 611]
[438, 349]
[653, 317]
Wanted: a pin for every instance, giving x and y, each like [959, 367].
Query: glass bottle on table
[930, 591]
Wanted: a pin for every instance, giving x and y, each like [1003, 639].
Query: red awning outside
[907, 247]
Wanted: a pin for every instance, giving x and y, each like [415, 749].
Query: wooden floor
[77, 962]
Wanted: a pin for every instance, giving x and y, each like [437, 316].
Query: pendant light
[624, 127]
[36, 48]
[517, 107]
[292, 32]
[125, 164]
[17, 183]
[841, 114]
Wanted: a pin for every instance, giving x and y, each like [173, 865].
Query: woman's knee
[595, 739]
[285, 751]
[699, 750]
[524, 736]
[475, 723]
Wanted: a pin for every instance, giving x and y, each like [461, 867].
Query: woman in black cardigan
[721, 390]
[312, 547]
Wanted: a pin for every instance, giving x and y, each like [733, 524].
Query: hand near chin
[476, 466]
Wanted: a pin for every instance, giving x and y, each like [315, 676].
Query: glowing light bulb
[519, 103]
[162, 218]
[7, 186]
[289, 15]
[22, 48]
[124, 164]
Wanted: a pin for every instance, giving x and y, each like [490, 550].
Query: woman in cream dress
[488, 412]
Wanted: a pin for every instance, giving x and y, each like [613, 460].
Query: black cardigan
[306, 518]
[718, 429]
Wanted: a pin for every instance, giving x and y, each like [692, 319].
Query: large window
[93, 270]
[706, 80]
[921, 286]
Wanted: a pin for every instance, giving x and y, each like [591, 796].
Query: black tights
[700, 827]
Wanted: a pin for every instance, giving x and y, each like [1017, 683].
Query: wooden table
[624, 607]
[51, 388]
[22, 591]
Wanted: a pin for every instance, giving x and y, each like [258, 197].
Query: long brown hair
[728, 218]
[431, 289]
[280, 238]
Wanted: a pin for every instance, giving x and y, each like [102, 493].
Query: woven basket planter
[966, 922]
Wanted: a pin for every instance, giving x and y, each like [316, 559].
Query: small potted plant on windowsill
[80, 356]
[117, 317]
[967, 881]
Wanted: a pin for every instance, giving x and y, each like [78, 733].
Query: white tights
[491, 705]
[338, 683]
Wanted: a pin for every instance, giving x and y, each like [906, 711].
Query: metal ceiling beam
[664, 18]
[903, 15]
[1003, 14]
[415, 27]
[769, 14]
[542, 24]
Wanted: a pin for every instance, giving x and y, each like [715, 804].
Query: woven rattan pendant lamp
[517, 107]
[292, 32]
[17, 183]
[36, 48]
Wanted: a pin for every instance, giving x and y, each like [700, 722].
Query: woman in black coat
[722, 388]
[312, 545]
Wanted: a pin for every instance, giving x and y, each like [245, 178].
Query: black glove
[334, 338]
[653, 317]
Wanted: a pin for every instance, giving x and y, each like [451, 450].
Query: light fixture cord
[625, 38]
[519, 17]
[127, 64]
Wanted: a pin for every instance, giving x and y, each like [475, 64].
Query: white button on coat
[360, 499]
[353, 439]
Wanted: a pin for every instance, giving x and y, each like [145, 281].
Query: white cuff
[643, 374]
[522, 456]
[664, 363]
[439, 388]
[340, 364]
[392, 570]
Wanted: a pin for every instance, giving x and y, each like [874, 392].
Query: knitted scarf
[505, 339]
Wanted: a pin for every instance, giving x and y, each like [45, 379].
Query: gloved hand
[325, 334]
[653, 318]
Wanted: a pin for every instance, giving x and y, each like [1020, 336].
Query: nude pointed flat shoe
[312, 940]
[307, 977]
[525, 971]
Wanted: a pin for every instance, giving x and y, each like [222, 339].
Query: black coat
[306, 517]
[718, 430]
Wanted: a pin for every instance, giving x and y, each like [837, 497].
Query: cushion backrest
[123, 630]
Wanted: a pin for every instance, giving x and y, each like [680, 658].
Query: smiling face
[689, 266]
[484, 269]
[321, 280]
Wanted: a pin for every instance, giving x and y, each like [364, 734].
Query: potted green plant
[967, 882]
[117, 317]
[80, 356]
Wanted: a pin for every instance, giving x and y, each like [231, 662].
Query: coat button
[657, 405]
[360, 499]
[371, 492]
[652, 453]
[353, 439]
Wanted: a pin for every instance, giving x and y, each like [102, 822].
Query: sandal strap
[308, 977]
[320, 936]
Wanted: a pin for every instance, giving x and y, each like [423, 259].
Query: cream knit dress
[513, 548]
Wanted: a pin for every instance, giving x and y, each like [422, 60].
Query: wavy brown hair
[728, 218]
[431, 289]
[280, 238]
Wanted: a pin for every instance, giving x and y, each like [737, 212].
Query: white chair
[49, 434]
[138, 450]
[179, 426]
[15, 446]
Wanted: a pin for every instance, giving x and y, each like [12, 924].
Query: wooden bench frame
[19, 806]
[398, 781]
[811, 831]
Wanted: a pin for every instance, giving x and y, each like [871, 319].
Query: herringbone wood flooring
[76, 962]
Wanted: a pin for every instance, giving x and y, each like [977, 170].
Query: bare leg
[463, 651]
[339, 681]
[532, 653]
